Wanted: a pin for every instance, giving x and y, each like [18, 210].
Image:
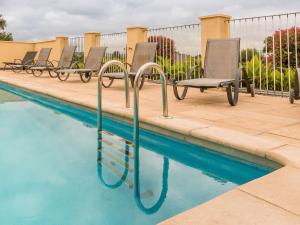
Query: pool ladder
[136, 128]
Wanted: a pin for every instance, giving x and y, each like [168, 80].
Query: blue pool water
[51, 174]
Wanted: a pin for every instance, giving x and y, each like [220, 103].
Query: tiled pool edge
[196, 131]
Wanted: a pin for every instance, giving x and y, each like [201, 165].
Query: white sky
[42, 19]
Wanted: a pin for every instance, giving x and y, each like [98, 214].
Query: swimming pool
[51, 174]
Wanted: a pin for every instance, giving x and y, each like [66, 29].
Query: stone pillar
[60, 43]
[213, 26]
[134, 35]
[91, 39]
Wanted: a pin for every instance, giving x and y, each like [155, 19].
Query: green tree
[4, 36]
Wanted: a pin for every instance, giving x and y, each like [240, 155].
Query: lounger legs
[37, 73]
[111, 80]
[232, 94]
[16, 69]
[52, 73]
[63, 76]
[141, 82]
[85, 77]
[182, 96]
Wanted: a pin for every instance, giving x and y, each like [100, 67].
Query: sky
[44, 19]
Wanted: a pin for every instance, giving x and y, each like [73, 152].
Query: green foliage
[4, 36]
[266, 77]
[78, 58]
[282, 45]
[247, 54]
[179, 69]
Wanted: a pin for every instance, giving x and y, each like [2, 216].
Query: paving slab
[280, 188]
[234, 208]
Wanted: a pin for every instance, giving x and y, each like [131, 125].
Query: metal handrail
[162, 197]
[127, 99]
[163, 78]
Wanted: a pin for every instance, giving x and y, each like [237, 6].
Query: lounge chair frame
[92, 65]
[65, 62]
[295, 92]
[231, 83]
[19, 65]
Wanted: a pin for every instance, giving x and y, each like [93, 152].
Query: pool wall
[88, 115]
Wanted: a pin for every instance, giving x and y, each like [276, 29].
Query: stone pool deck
[264, 126]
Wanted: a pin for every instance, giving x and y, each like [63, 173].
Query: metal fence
[78, 42]
[270, 50]
[116, 47]
[179, 49]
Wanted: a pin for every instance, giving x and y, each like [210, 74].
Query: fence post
[60, 43]
[134, 35]
[91, 39]
[213, 26]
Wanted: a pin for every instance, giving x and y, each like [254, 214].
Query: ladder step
[118, 148]
[116, 172]
[119, 160]
[117, 138]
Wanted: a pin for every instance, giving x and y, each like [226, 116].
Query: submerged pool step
[118, 148]
[118, 138]
[121, 162]
[116, 172]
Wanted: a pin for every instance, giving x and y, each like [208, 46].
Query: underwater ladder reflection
[136, 186]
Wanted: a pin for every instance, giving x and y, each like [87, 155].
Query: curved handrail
[139, 73]
[124, 175]
[100, 74]
[163, 194]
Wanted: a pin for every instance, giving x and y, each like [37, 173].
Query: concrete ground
[264, 126]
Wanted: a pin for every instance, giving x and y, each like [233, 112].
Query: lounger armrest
[53, 62]
[190, 73]
[17, 60]
[75, 65]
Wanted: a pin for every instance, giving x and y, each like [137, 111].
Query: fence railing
[78, 42]
[179, 49]
[116, 47]
[270, 50]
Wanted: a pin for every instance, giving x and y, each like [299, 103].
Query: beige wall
[134, 35]
[10, 50]
[213, 26]
[91, 39]
[46, 44]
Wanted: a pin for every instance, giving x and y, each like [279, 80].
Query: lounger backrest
[94, 58]
[222, 58]
[66, 57]
[143, 53]
[43, 57]
[29, 57]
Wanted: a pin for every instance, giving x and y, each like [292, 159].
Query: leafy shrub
[178, 70]
[4, 36]
[265, 75]
[166, 46]
[283, 38]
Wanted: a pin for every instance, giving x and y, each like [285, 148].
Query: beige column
[134, 35]
[60, 43]
[213, 26]
[91, 39]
